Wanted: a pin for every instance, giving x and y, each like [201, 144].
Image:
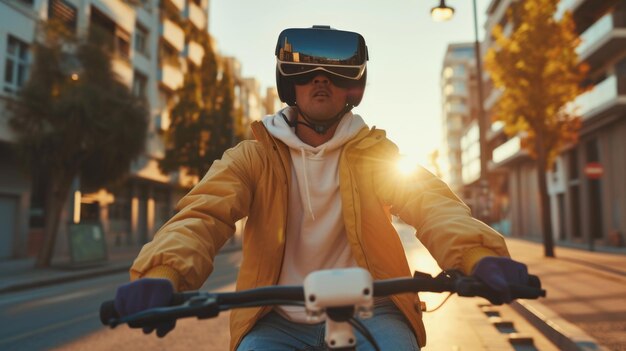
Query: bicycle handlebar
[208, 305]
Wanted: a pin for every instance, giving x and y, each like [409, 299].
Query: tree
[74, 118]
[539, 73]
[222, 121]
[201, 127]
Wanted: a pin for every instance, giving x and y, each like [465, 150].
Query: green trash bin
[87, 243]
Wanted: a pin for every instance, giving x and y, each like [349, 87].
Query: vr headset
[302, 53]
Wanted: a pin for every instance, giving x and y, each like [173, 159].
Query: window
[122, 43]
[116, 37]
[64, 12]
[140, 83]
[464, 52]
[16, 64]
[141, 40]
[459, 70]
[169, 55]
[146, 5]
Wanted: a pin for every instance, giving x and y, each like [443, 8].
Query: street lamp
[444, 13]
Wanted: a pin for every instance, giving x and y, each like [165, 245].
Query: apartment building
[585, 211]
[457, 72]
[593, 211]
[271, 102]
[249, 98]
[151, 55]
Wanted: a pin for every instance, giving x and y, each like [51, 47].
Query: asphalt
[563, 317]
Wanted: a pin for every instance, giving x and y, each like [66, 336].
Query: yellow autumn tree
[538, 70]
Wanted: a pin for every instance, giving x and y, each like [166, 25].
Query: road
[65, 317]
[57, 316]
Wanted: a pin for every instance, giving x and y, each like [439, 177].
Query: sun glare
[407, 164]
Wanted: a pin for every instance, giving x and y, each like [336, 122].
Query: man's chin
[322, 115]
[321, 118]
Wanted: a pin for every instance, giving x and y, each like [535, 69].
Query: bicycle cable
[440, 304]
[362, 329]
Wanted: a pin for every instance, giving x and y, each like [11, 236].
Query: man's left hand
[499, 272]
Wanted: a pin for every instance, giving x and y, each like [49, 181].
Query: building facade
[593, 211]
[151, 53]
[585, 212]
[457, 73]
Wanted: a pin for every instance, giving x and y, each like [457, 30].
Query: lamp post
[444, 13]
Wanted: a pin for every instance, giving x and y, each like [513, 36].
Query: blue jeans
[388, 326]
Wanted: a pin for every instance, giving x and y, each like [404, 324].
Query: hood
[348, 127]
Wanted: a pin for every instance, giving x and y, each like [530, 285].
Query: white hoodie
[316, 235]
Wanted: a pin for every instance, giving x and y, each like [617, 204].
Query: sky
[406, 49]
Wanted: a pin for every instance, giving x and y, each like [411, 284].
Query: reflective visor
[300, 51]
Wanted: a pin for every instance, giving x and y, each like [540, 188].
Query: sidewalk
[585, 307]
[17, 275]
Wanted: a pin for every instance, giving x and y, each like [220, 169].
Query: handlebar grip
[108, 311]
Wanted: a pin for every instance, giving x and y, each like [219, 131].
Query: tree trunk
[544, 198]
[55, 198]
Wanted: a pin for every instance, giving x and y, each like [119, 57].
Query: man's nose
[321, 79]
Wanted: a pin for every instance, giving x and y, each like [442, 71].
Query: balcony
[179, 4]
[471, 134]
[123, 69]
[195, 53]
[471, 171]
[497, 129]
[508, 152]
[605, 100]
[196, 15]
[171, 76]
[496, 14]
[566, 5]
[173, 34]
[456, 108]
[162, 121]
[601, 42]
[493, 97]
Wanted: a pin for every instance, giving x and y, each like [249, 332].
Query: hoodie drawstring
[306, 183]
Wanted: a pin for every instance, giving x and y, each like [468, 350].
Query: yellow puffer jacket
[252, 180]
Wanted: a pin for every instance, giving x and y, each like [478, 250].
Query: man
[317, 186]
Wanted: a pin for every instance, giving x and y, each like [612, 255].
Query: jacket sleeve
[184, 248]
[442, 221]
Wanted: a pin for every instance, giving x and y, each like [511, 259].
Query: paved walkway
[586, 300]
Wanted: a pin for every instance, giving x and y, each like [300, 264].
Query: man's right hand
[143, 294]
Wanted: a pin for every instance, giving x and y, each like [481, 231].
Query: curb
[89, 273]
[563, 334]
[82, 273]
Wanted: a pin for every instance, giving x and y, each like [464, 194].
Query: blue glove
[498, 272]
[143, 294]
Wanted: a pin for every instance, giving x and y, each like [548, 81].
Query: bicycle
[339, 294]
